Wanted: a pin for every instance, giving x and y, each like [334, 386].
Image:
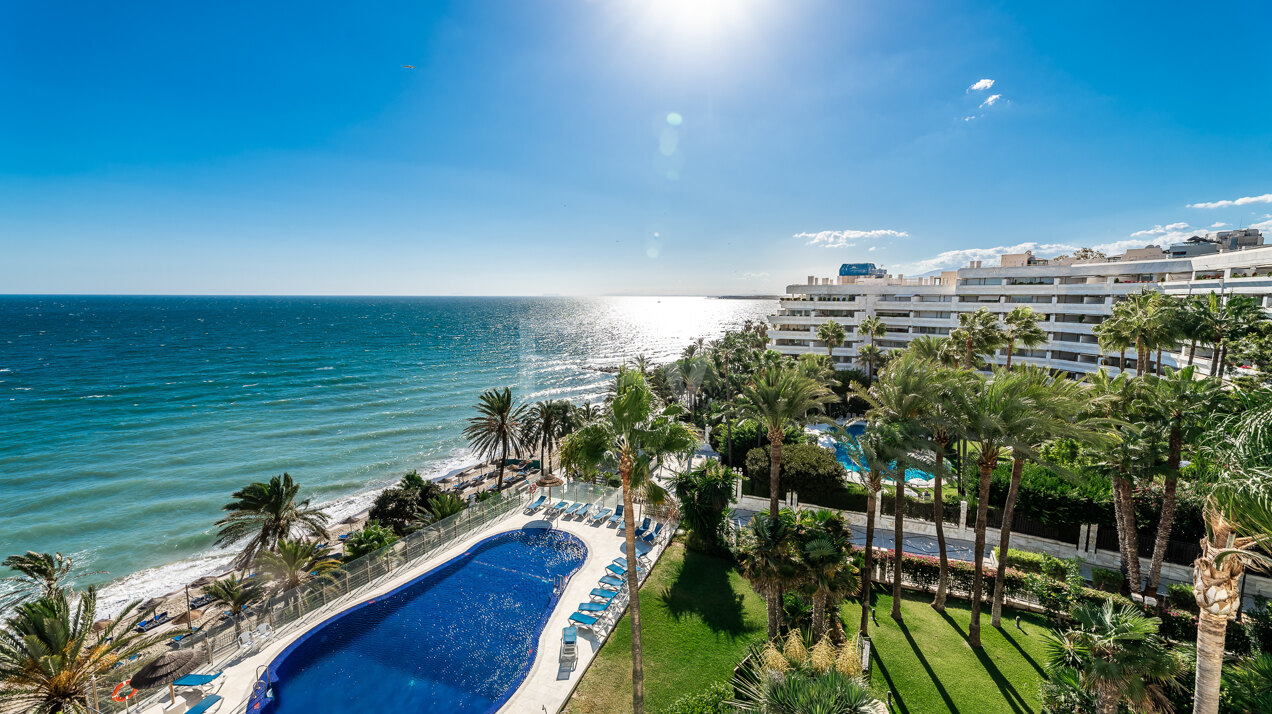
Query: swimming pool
[459, 639]
[843, 453]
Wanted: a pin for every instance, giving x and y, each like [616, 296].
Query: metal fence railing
[306, 604]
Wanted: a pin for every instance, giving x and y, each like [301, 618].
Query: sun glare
[699, 21]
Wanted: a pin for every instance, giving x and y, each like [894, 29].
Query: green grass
[697, 617]
[927, 664]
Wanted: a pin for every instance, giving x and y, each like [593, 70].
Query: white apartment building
[1072, 297]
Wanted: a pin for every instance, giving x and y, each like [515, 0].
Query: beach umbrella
[549, 481]
[101, 625]
[165, 669]
[188, 618]
[153, 603]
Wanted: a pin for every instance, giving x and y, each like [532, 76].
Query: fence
[303, 605]
[1179, 552]
[923, 510]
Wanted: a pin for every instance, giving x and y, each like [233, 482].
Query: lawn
[926, 662]
[697, 616]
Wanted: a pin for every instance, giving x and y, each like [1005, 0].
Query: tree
[704, 494]
[501, 424]
[406, 505]
[941, 351]
[1113, 337]
[1146, 319]
[979, 333]
[632, 440]
[1022, 329]
[832, 333]
[724, 414]
[236, 595]
[1116, 654]
[766, 559]
[266, 513]
[548, 422]
[40, 575]
[1088, 254]
[872, 454]
[687, 374]
[1181, 404]
[870, 327]
[1133, 452]
[1224, 320]
[368, 539]
[294, 562]
[50, 657]
[822, 541]
[777, 397]
[444, 506]
[943, 421]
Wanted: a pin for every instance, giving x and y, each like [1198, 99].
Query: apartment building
[1072, 296]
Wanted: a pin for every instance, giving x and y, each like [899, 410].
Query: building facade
[1071, 296]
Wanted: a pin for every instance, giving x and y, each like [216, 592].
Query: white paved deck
[547, 685]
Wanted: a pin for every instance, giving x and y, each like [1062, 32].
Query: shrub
[1022, 560]
[710, 701]
[1055, 500]
[1180, 596]
[806, 468]
[748, 435]
[1258, 624]
[1105, 579]
[370, 538]
[399, 507]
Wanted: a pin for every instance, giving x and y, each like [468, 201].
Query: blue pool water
[844, 455]
[459, 639]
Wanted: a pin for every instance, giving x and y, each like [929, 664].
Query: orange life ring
[131, 692]
[533, 487]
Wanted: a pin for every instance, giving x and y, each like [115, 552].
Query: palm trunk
[1106, 702]
[819, 614]
[1223, 358]
[775, 469]
[773, 604]
[970, 354]
[633, 588]
[1216, 588]
[728, 438]
[1168, 510]
[1011, 347]
[1214, 359]
[1121, 360]
[867, 570]
[898, 537]
[1128, 537]
[1159, 362]
[1004, 541]
[1139, 356]
[1192, 350]
[978, 550]
[503, 457]
[938, 513]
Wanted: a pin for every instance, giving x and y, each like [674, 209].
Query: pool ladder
[558, 584]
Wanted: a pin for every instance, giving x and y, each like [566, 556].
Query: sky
[585, 147]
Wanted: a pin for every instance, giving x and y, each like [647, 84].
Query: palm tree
[999, 416]
[501, 424]
[688, 373]
[50, 657]
[549, 421]
[822, 539]
[1113, 336]
[1022, 329]
[236, 595]
[941, 351]
[870, 327]
[943, 420]
[979, 332]
[1181, 403]
[1112, 400]
[873, 455]
[268, 513]
[766, 559]
[295, 561]
[832, 333]
[1225, 320]
[724, 414]
[1117, 655]
[40, 575]
[704, 494]
[632, 440]
[1146, 319]
[777, 397]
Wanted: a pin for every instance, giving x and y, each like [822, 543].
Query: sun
[698, 21]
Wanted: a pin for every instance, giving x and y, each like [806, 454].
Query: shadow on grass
[702, 589]
[897, 701]
[1005, 686]
[936, 681]
[1007, 636]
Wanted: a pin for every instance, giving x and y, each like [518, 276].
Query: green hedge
[710, 701]
[806, 468]
[747, 436]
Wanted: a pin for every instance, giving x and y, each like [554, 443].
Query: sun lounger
[593, 606]
[601, 515]
[644, 527]
[582, 514]
[570, 645]
[620, 565]
[205, 704]
[618, 515]
[603, 594]
[613, 582]
[652, 536]
[201, 601]
[196, 680]
[584, 620]
[572, 509]
[534, 505]
[184, 635]
[558, 508]
[616, 570]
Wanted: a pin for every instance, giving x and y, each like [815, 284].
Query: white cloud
[1160, 230]
[980, 85]
[753, 276]
[991, 100]
[1163, 235]
[1118, 247]
[952, 259]
[844, 238]
[968, 118]
[1243, 201]
[1218, 224]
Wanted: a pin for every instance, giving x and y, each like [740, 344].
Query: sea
[127, 422]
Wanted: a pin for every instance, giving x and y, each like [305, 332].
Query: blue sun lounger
[558, 508]
[573, 509]
[612, 581]
[644, 527]
[584, 620]
[652, 536]
[196, 680]
[582, 514]
[593, 606]
[604, 594]
[618, 515]
[534, 505]
[204, 704]
[601, 515]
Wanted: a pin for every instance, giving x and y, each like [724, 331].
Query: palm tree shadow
[936, 681]
[1005, 686]
[1007, 636]
[702, 589]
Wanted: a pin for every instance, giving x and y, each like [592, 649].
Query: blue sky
[609, 146]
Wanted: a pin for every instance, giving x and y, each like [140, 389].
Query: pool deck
[546, 687]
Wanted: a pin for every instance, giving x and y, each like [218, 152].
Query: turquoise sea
[126, 422]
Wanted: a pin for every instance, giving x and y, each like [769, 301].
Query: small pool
[458, 639]
[843, 452]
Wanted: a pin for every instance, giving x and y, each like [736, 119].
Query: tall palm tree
[39, 575]
[779, 396]
[901, 397]
[1113, 400]
[236, 595]
[549, 421]
[1147, 320]
[999, 416]
[943, 422]
[1224, 320]
[873, 455]
[50, 658]
[822, 541]
[979, 332]
[724, 413]
[869, 356]
[870, 328]
[1113, 336]
[832, 333]
[941, 351]
[767, 559]
[502, 424]
[633, 440]
[268, 513]
[688, 374]
[1021, 328]
[1181, 403]
[295, 562]
[1116, 654]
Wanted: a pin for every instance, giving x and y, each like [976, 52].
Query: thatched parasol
[188, 618]
[154, 602]
[165, 669]
[549, 481]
